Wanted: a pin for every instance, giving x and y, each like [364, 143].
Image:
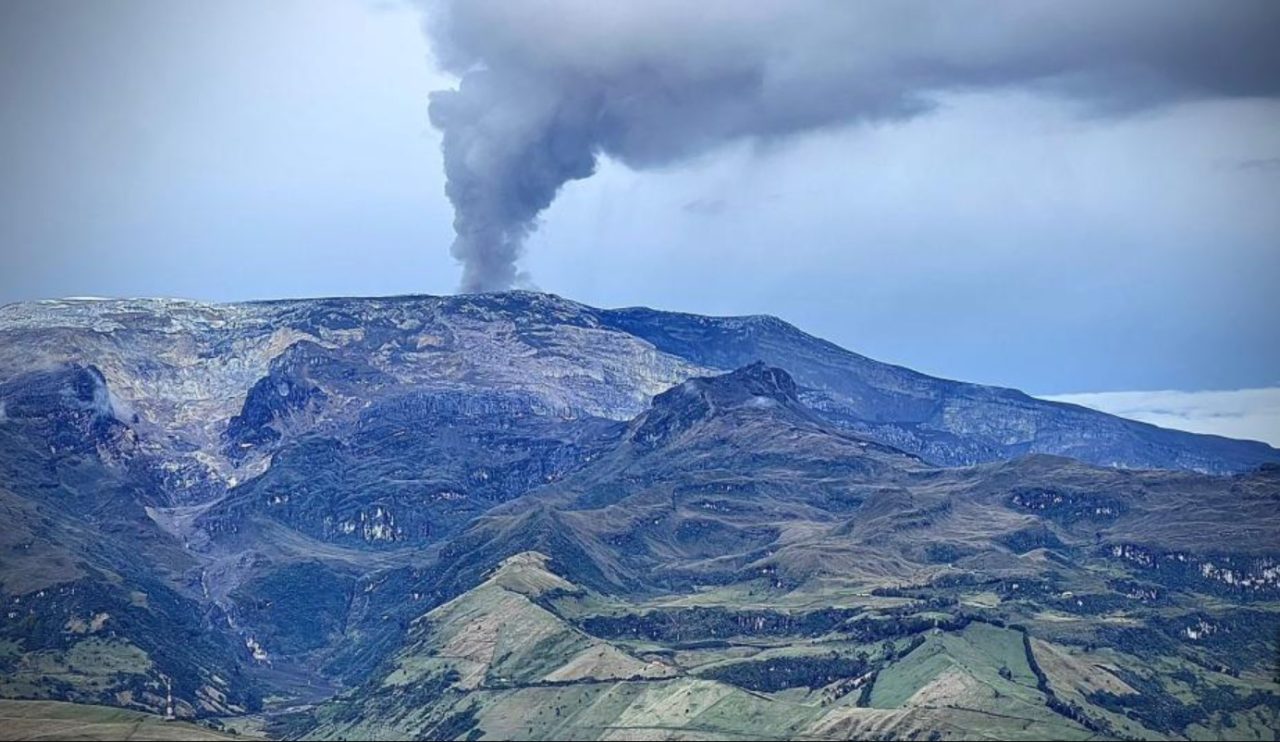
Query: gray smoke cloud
[546, 87]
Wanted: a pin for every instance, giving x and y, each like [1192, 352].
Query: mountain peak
[756, 386]
[760, 380]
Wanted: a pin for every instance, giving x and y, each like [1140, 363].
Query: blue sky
[242, 150]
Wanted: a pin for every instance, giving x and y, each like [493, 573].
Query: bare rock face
[217, 387]
[70, 404]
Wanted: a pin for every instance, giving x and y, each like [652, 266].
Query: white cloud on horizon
[1252, 414]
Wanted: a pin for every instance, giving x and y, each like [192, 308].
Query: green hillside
[71, 722]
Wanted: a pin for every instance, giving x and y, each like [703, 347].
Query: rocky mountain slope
[514, 515]
[188, 370]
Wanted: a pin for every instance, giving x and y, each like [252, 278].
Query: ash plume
[546, 87]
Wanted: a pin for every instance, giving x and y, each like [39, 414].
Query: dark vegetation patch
[1143, 592]
[1028, 539]
[742, 492]
[813, 672]
[296, 608]
[1135, 640]
[1029, 588]
[375, 630]
[683, 626]
[1238, 576]
[938, 593]
[1156, 708]
[39, 621]
[371, 701]
[1238, 639]
[780, 673]
[1090, 604]
[1068, 506]
[943, 553]
[700, 624]
[711, 538]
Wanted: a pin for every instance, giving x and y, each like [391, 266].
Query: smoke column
[548, 86]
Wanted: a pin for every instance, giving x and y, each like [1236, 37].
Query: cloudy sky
[1063, 198]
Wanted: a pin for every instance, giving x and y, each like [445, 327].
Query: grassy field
[53, 720]
[978, 678]
[89, 666]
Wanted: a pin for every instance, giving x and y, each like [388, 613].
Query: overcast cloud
[548, 86]
[964, 210]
